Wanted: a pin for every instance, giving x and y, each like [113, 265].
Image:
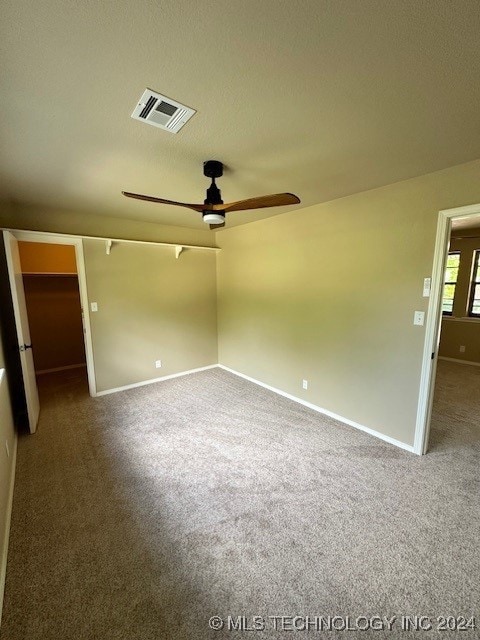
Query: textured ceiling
[322, 98]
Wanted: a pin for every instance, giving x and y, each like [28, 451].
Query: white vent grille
[162, 112]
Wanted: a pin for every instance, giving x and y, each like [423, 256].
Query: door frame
[51, 238]
[434, 322]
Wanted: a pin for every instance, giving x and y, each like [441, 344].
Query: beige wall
[456, 330]
[457, 333]
[328, 294]
[184, 335]
[151, 306]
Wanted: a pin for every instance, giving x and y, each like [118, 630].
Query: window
[451, 275]
[474, 304]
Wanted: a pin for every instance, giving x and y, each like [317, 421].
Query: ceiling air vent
[162, 112]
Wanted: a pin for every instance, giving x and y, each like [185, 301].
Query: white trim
[82, 285]
[153, 380]
[475, 364]
[76, 241]
[433, 323]
[432, 335]
[44, 237]
[326, 412]
[55, 369]
[8, 519]
[56, 238]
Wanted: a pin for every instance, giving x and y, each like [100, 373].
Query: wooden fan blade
[217, 226]
[138, 196]
[275, 200]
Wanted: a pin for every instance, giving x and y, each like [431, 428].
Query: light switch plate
[419, 318]
[94, 306]
[427, 283]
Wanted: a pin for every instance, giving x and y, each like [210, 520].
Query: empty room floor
[142, 514]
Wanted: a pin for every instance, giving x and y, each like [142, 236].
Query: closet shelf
[50, 274]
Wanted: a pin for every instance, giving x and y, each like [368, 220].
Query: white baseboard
[4, 551]
[70, 366]
[153, 380]
[474, 364]
[325, 412]
[335, 416]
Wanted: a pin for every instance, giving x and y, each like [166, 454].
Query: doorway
[458, 220]
[53, 267]
[54, 311]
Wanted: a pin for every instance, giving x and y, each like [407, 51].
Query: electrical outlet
[462, 348]
[7, 449]
[419, 317]
[158, 364]
[305, 384]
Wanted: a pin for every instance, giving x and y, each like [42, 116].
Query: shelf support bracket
[178, 251]
[108, 246]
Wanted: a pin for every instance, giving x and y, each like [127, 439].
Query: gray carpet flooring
[140, 515]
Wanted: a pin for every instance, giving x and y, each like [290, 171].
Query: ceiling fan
[213, 209]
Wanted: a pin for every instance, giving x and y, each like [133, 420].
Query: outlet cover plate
[419, 318]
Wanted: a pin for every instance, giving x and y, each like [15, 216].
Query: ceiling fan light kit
[213, 217]
[213, 208]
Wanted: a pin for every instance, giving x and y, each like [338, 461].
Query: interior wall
[457, 333]
[328, 294]
[459, 330]
[151, 307]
